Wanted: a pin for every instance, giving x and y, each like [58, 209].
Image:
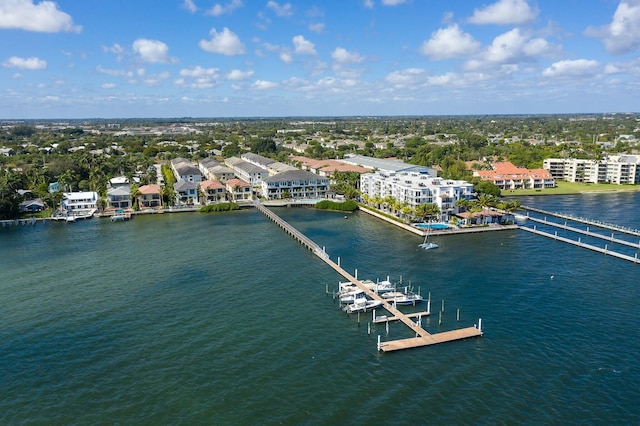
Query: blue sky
[261, 58]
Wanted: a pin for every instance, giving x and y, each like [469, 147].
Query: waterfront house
[212, 191]
[74, 201]
[32, 206]
[186, 192]
[239, 190]
[150, 197]
[246, 171]
[119, 197]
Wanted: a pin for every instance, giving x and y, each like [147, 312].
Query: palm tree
[135, 195]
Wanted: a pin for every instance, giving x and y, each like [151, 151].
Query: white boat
[426, 245]
[403, 298]
[377, 287]
[70, 219]
[362, 305]
[520, 218]
[352, 296]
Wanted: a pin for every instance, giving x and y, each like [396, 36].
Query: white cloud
[157, 79]
[198, 77]
[409, 76]
[450, 42]
[343, 56]
[153, 51]
[280, 10]
[511, 47]
[572, 68]
[264, 85]
[504, 12]
[303, 46]
[318, 27]
[219, 9]
[444, 80]
[116, 49]
[198, 72]
[368, 4]
[113, 73]
[623, 34]
[238, 75]
[108, 86]
[30, 64]
[225, 43]
[393, 2]
[42, 17]
[190, 6]
[286, 56]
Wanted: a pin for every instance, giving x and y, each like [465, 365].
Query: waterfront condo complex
[617, 169]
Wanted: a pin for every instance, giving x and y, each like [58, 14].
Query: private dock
[579, 243]
[604, 225]
[587, 232]
[423, 338]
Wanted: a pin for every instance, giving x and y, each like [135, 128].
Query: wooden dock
[423, 338]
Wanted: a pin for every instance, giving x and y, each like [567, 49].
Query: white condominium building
[416, 188]
[617, 169]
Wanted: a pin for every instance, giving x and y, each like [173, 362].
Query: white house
[73, 201]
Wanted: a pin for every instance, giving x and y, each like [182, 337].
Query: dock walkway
[609, 226]
[583, 245]
[586, 232]
[423, 338]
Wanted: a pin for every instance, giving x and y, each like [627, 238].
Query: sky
[266, 58]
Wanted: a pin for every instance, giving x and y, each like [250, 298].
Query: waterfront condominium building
[415, 187]
[617, 169]
[295, 184]
[505, 175]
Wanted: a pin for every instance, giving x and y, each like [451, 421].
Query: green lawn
[571, 188]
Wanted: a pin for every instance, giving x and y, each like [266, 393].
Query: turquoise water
[223, 319]
[432, 226]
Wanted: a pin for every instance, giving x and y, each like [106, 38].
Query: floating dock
[423, 338]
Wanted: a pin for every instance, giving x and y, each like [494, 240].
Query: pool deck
[450, 231]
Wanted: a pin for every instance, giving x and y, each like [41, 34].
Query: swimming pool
[431, 226]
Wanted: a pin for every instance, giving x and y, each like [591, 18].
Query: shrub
[346, 206]
[220, 207]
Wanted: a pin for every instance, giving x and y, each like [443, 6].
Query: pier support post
[442, 308]
[440, 318]
[378, 342]
[368, 329]
[458, 315]
[338, 260]
[479, 324]
[387, 327]
[356, 274]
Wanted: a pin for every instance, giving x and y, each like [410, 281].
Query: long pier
[586, 232]
[609, 226]
[423, 338]
[583, 245]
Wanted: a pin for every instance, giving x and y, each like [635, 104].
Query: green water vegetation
[219, 207]
[345, 206]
